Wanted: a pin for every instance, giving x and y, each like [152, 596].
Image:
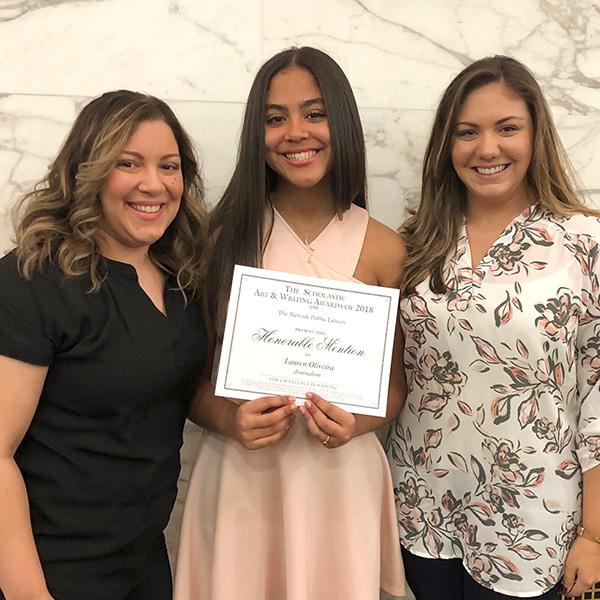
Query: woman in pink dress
[287, 502]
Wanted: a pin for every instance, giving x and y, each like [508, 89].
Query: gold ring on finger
[326, 441]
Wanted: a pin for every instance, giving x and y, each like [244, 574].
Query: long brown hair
[59, 220]
[237, 222]
[431, 232]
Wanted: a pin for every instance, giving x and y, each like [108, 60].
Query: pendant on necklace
[310, 248]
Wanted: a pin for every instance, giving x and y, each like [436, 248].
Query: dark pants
[153, 584]
[447, 579]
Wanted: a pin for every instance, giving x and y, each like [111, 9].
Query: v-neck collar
[464, 248]
[309, 247]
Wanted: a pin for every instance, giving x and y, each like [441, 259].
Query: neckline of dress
[305, 243]
[120, 268]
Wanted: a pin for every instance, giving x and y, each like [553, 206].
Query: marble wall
[201, 56]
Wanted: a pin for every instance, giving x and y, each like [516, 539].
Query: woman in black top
[101, 342]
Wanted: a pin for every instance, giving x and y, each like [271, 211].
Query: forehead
[493, 101]
[292, 86]
[152, 134]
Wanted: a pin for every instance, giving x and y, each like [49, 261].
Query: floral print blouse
[503, 409]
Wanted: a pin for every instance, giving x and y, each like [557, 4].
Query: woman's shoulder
[47, 275]
[33, 311]
[385, 251]
[8, 263]
[576, 224]
[386, 236]
[582, 224]
[10, 272]
[46, 289]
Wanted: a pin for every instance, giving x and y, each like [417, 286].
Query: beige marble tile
[386, 596]
[188, 454]
[174, 49]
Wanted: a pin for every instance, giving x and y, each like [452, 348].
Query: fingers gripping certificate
[292, 334]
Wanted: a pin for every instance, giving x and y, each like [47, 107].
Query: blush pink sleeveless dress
[294, 521]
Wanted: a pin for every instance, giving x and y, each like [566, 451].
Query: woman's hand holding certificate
[331, 425]
[264, 421]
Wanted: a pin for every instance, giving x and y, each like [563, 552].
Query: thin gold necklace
[314, 233]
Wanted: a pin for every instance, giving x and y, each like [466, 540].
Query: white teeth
[145, 208]
[490, 171]
[300, 155]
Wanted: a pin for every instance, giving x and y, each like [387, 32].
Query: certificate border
[245, 276]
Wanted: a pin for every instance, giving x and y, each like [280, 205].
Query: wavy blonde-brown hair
[432, 230]
[59, 220]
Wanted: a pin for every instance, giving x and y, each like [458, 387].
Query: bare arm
[21, 576]
[380, 263]
[396, 391]
[582, 566]
[385, 252]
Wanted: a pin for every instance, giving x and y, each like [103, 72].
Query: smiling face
[297, 139]
[141, 195]
[492, 147]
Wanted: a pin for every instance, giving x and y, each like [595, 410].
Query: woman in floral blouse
[495, 455]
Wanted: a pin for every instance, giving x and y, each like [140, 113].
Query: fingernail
[307, 403]
[563, 589]
[309, 395]
[291, 399]
[302, 409]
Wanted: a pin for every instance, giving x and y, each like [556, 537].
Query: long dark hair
[238, 221]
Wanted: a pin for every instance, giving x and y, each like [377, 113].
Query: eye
[126, 164]
[509, 129]
[274, 119]
[315, 115]
[171, 167]
[466, 134]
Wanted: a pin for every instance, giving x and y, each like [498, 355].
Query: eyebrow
[138, 155]
[499, 122]
[302, 104]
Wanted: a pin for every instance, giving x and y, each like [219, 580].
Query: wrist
[229, 425]
[586, 534]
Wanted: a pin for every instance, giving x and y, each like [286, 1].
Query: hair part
[238, 221]
[59, 220]
[432, 230]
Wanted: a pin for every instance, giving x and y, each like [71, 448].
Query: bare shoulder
[382, 256]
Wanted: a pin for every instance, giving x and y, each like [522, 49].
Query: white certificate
[292, 334]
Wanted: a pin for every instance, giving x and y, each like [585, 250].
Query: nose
[296, 129]
[151, 181]
[488, 145]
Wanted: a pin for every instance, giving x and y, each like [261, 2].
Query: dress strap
[335, 252]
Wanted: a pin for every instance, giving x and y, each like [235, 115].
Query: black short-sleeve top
[101, 457]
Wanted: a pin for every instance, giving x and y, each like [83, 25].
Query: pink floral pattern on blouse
[503, 409]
